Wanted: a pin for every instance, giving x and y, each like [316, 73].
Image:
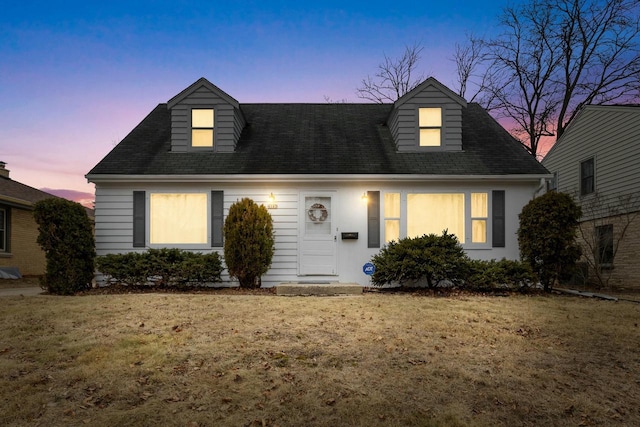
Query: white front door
[318, 236]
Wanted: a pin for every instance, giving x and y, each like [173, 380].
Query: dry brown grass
[377, 359]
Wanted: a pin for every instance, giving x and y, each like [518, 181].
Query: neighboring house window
[391, 217]
[202, 125]
[587, 177]
[604, 234]
[479, 215]
[434, 213]
[179, 218]
[430, 126]
[4, 244]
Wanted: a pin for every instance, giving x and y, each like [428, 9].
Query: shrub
[429, 258]
[547, 237]
[497, 275]
[66, 236]
[129, 268]
[248, 242]
[162, 267]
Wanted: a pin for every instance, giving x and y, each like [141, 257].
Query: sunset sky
[76, 77]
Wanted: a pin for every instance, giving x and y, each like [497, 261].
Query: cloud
[85, 199]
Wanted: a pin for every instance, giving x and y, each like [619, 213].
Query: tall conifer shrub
[66, 236]
[248, 242]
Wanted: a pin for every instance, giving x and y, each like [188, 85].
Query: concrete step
[320, 289]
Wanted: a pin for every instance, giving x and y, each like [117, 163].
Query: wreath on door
[317, 213]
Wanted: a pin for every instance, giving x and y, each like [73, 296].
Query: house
[19, 250]
[596, 160]
[340, 180]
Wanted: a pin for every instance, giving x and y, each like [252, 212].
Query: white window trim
[467, 244]
[185, 246]
[443, 111]
[190, 127]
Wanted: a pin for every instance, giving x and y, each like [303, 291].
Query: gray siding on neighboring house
[403, 120]
[609, 134]
[227, 127]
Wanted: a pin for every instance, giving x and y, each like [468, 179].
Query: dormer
[204, 118]
[428, 118]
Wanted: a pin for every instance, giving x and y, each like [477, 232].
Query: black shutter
[498, 218]
[373, 219]
[217, 218]
[139, 214]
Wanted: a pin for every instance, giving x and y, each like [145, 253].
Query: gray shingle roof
[319, 139]
[17, 193]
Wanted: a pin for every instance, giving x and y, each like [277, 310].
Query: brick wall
[626, 271]
[25, 251]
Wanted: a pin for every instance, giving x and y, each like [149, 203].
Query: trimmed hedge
[434, 260]
[430, 258]
[162, 267]
[499, 275]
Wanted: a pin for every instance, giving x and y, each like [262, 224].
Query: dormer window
[430, 126]
[202, 123]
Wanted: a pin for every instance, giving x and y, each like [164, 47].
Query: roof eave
[18, 203]
[312, 178]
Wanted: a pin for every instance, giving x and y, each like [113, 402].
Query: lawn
[388, 359]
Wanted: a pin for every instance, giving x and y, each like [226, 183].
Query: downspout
[541, 187]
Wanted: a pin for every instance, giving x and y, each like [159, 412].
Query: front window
[430, 124]
[202, 124]
[587, 177]
[391, 217]
[479, 215]
[434, 213]
[3, 230]
[179, 218]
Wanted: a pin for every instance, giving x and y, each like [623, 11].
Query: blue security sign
[369, 269]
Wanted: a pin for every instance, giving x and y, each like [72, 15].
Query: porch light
[364, 197]
[272, 198]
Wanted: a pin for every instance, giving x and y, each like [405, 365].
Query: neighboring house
[340, 180]
[18, 228]
[596, 160]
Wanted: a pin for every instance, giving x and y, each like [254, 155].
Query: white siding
[114, 219]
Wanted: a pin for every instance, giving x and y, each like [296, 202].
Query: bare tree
[552, 57]
[394, 77]
[468, 59]
[601, 60]
[520, 76]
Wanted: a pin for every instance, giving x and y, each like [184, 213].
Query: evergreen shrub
[248, 242]
[499, 275]
[162, 267]
[547, 237]
[66, 236]
[429, 258]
